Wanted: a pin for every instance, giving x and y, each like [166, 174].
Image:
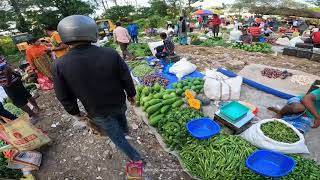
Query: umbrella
[203, 12]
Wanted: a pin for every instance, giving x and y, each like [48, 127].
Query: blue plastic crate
[270, 163]
[203, 128]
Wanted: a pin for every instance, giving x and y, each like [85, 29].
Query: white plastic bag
[182, 68]
[153, 45]
[295, 40]
[220, 87]
[235, 35]
[255, 136]
[283, 41]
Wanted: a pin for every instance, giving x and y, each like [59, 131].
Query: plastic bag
[283, 41]
[153, 45]
[235, 35]
[220, 87]
[182, 68]
[295, 40]
[23, 135]
[27, 160]
[255, 136]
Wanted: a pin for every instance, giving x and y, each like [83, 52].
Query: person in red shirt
[215, 23]
[200, 21]
[315, 37]
[255, 31]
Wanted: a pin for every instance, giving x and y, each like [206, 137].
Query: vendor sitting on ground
[167, 49]
[246, 37]
[303, 110]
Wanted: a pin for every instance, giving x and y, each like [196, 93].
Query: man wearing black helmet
[98, 77]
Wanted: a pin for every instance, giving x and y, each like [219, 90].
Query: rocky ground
[235, 59]
[77, 153]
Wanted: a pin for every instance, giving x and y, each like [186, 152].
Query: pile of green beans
[279, 132]
[142, 70]
[221, 157]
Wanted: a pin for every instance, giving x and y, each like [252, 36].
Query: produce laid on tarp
[275, 73]
[255, 47]
[13, 109]
[140, 50]
[142, 70]
[195, 84]
[152, 79]
[133, 64]
[7, 173]
[221, 157]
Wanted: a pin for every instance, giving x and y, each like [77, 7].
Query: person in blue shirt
[133, 30]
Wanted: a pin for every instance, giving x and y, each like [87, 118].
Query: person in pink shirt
[121, 36]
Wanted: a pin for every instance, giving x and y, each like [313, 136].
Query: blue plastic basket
[270, 163]
[203, 128]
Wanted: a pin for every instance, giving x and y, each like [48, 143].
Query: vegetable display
[133, 64]
[152, 79]
[221, 157]
[275, 73]
[305, 169]
[195, 84]
[213, 42]
[140, 50]
[8, 173]
[13, 109]
[279, 132]
[31, 87]
[173, 127]
[255, 47]
[142, 70]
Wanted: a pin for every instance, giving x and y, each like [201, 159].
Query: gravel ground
[77, 153]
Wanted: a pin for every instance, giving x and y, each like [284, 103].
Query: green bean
[279, 132]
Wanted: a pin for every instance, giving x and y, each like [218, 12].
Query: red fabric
[215, 21]
[44, 82]
[316, 37]
[254, 31]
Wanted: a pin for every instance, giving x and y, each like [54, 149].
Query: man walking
[133, 30]
[98, 77]
[122, 37]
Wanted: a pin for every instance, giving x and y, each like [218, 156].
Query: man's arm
[60, 47]
[308, 102]
[63, 92]
[125, 77]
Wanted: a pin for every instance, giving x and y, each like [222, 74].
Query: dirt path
[78, 154]
[235, 59]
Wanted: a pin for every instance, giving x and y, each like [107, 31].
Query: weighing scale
[237, 127]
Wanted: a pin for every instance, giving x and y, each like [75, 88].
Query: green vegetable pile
[30, 87]
[221, 157]
[306, 169]
[279, 132]
[110, 44]
[213, 42]
[256, 47]
[156, 101]
[195, 84]
[13, 109]
[173, 127]
[140, 50]
[142, 70]
[7, 173]
[133, 64]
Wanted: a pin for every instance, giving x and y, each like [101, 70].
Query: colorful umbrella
[203, 12]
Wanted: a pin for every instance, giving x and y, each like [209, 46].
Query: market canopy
[203, 12]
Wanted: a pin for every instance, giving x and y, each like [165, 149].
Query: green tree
[116, 13]
[159, 7]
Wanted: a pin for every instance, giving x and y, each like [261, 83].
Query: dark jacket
[98, 77]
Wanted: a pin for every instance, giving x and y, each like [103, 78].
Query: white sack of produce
[220, 87]
[182, 68]
[283, 41]
[255, 136]
[235, 35]
[295, 40]
[153, 45]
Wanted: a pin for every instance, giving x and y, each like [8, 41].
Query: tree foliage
[116, 13]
